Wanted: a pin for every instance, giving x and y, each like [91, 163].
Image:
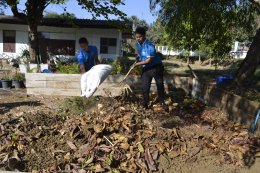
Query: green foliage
[78, 105]
[6, 76]
[121, 65]
[68, 68]
[24, 58]
[118, 67]
[128, 48]
[59, 16]
[252, 95]
[211, 26]
[138, 22]
[19, 76]
[73, 104]
[156, 33]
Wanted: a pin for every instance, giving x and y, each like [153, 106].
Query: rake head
[126, 90]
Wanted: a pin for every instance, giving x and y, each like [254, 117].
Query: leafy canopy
[209, 24]
[57, 15]
[34, 10]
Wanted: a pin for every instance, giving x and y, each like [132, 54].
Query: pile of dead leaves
[115, 137]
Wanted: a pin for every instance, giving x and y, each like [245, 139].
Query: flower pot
[23, 68]
[18, 84]
[6, 84]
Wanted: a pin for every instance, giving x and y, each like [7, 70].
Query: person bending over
[87, 56]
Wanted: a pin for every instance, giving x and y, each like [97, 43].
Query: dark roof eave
[73, 23]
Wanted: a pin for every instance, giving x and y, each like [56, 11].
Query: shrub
[121, 65]
[19, 76]
[68, 68]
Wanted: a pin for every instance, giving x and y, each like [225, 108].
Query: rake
[126, 89]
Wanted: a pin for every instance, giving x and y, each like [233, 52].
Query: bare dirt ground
[56, 134]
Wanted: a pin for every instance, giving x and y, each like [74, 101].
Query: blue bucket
[222, 79]
[46, 71]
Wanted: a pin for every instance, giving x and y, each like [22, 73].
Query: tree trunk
[248, 67]
[33, 44]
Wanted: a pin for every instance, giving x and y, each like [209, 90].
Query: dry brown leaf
[141, 164]
[172, 154]
[98, 168]
[238, 148]
[71, 145]
[155, 154]
[67, 156]
[125, 146]
[118, 137]
[149, 160]
[160, 147]
[82, 171]
[175, 132]
[194, 151]
[98, 128]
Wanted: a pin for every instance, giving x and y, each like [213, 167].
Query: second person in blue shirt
[87, 55]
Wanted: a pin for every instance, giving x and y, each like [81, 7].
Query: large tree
[195, 23]
[156, 33]
[138, 22]
[34, 12]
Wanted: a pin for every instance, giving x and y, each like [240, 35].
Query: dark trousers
[147, 76]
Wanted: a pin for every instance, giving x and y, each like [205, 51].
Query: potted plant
[18, 80]
[6, 81]
[24, 61]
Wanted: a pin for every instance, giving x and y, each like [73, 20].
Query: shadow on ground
[6, 107]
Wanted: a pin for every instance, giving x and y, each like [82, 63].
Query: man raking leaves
[152, 67]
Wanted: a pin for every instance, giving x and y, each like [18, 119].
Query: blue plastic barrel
[222, 79]
[46, 71]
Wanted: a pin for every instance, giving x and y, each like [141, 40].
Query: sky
[139, 8]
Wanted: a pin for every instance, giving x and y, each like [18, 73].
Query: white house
[239, 49]
[166, 50]
[60, 36]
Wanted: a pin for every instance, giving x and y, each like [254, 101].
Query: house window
[9, 41]
[108, 45]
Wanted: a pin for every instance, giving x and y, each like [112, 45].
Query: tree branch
[14, 9]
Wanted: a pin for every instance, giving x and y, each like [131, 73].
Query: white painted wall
[1, 42]
[21, 41]
[92, 34]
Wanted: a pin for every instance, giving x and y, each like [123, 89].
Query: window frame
[108, 43]
[9, 46]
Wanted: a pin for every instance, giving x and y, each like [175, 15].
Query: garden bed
[238, 108]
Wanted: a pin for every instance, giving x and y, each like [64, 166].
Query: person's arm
[82, 69]
[96, 56]
[81, 63]
[149, 58]
[147, 61]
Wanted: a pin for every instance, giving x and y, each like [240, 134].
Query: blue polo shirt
[146, 50]
[87, 58]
